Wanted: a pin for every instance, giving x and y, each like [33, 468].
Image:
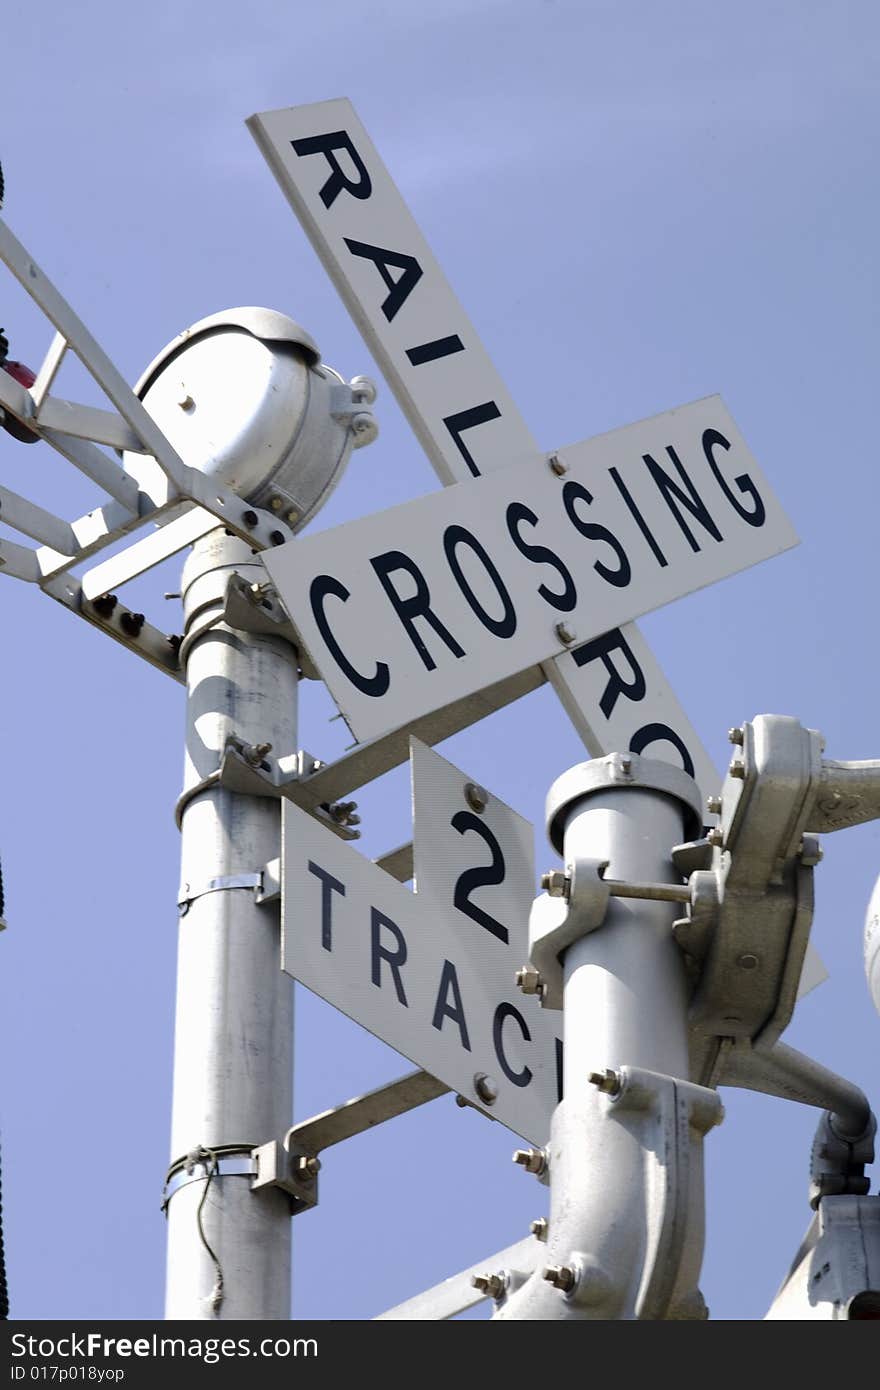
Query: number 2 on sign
[483, 876]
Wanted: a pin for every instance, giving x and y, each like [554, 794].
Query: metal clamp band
[232, 1160]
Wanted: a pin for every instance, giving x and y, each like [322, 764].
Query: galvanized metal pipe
[233, 1067]
[625, 1004]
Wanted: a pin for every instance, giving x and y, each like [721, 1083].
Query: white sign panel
[431, 973]
[410, 609]
[614, 692]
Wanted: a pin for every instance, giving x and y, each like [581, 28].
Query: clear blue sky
[638, 205]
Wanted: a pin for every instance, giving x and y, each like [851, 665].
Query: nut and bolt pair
[529, 980]
[556, 883]
[607, 1081]
[533, 1160]
[492, 1285]
[562, 1277]
[306, 1168]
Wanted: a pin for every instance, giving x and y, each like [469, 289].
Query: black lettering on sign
[467, 420]
[572, 493]
[394, 958]
[399, 289]
[455, 536]
[325, 145]
[418, 605]
[484, 876]
[429, 352]
[661, 733]
[329, 886]
[600, 649]
[672, 495]
[516, 514]
[757, 517]
[502, 1013]
[455, 1011]
[637, 516]
[325, 586]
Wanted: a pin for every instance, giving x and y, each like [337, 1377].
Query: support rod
[233, 1067]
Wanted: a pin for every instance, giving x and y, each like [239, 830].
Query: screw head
[186, 402]
[539, 1228]
[736, 736]
[747, 961]
[276, 504]
[249, 518]
[557, 466]
[713, 805]
[476, 796]
[716, 838]
[561, 1277]
[565, 633]
[486, 1088]
[737, 769]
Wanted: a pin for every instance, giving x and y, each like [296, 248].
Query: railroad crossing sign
[612, 689]
[431, 973]
[411, 609]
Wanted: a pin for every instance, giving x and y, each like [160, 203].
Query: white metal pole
[229, 1247]
[625, 1004]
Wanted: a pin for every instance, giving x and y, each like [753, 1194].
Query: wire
[199, 1155]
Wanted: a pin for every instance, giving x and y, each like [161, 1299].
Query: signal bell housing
[243, 396]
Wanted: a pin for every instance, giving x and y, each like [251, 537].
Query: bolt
[131, 623]
[747, 961]
[539, 1228]
[277, 537]
[254, 753]
[565, 633]
[607, 1081]
[174, 641]
[561, 1277]
[556, 883]
[105, 605]
[529, 980]
[363, 423]
[307, 1168]
[292, 516]
[736, 736]
[713, 805]
[486, 1088]
[557, 466]
[810, 851]
[493, 1285]
[363, 388]
[533, 1160]
[186, 402]
[737, 769]
[626, 762]
[171, 594]
[715, 837]
[276, 504]
[249, 518]
[476, 796]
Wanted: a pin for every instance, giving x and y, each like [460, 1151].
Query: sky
[638, 206]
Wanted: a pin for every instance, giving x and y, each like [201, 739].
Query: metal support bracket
[685, 1113]
[250, 770]
[556, 921]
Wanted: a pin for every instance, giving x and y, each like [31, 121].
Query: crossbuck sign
[409, 610]
[612, 688]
